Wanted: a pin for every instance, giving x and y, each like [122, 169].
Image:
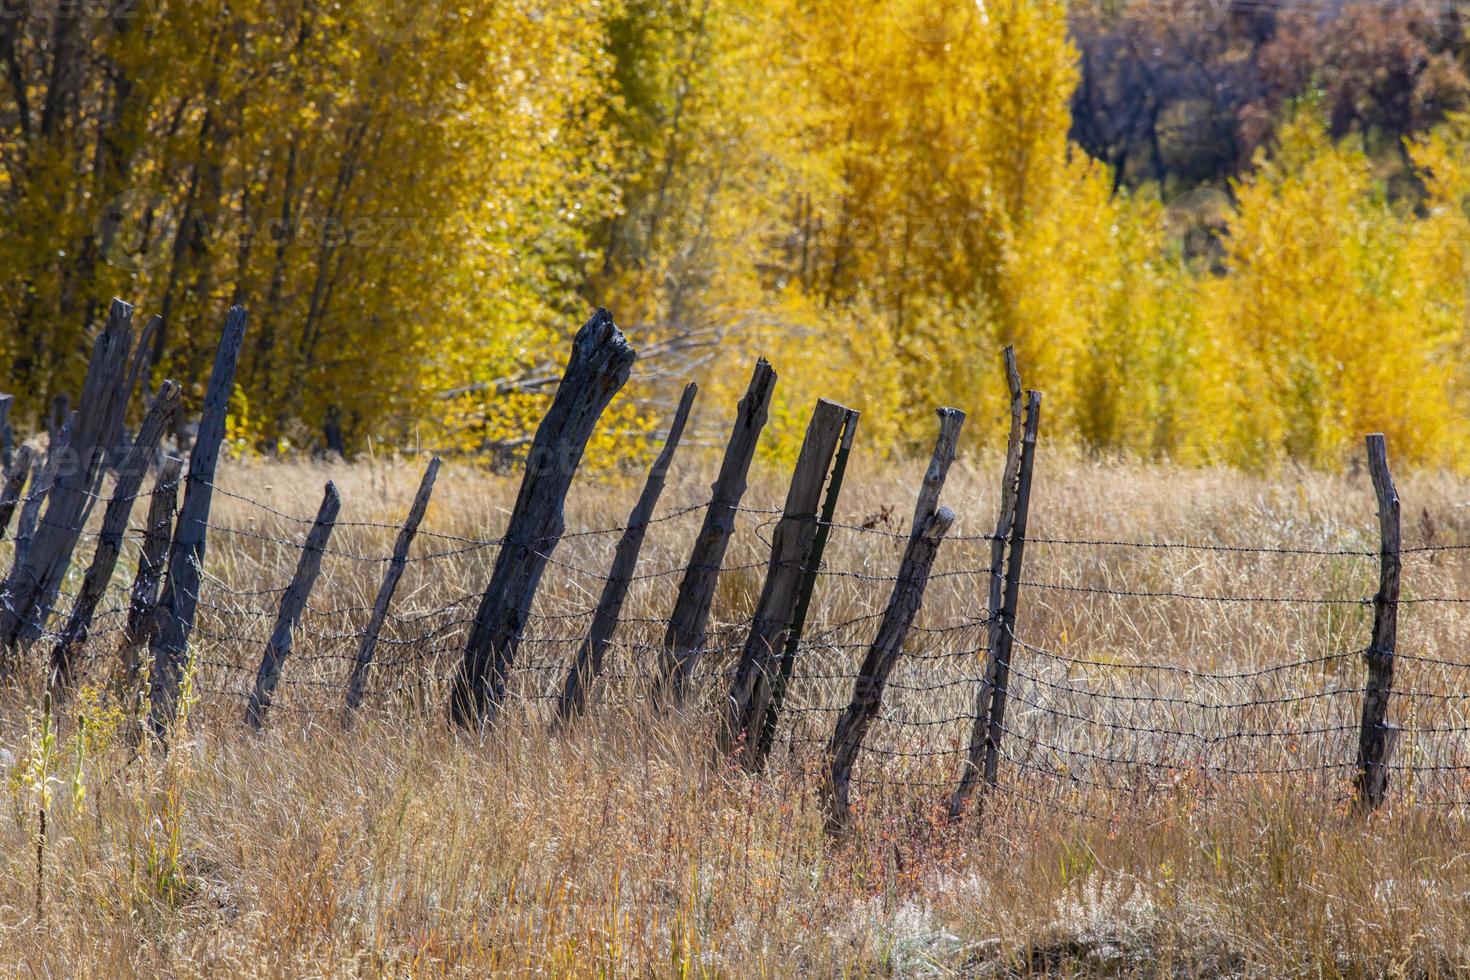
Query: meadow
[397, 846]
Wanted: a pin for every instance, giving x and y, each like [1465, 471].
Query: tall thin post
[989, 726]
[33, 582]
[293, 603]
[930, 524]
[109, 541]
[357, 682]
[808, 589]
[143, 598]
[1376, 738]
[599, 365]
[587, 666]
[17, 470]
[179, 602]
[791, 552]
[684, 640]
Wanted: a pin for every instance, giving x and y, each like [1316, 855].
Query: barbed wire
[1110, 725]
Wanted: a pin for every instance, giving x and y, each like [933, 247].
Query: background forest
[1218, 232]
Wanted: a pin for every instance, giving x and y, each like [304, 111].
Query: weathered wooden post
[1377, 738]
[599, 365]
[7, 438]
[293, 602]
[179, 602]
[58, 457]
[791, 552]
[931, 523]
[31, 583]
[357, 682]
[984, 753]
[109, 541]
[143, 598]
[17, 470]
[587, 665]
[808, 588]
[684, 640]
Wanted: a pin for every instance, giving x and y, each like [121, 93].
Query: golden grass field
[397, 847]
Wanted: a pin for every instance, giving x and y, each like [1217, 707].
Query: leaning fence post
[33, 583]
[587, 665]
[179, 602]
[599, 365]
[357, 682]
[931, 523]
[293, 602]
[143, 598]
[110, 539]
[684, 640]
[989, 726]
[15, 479]
[43, 479]
[791, 552]
[1377, 738]
[807, 589]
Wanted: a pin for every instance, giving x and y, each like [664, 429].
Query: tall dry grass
[398, 847]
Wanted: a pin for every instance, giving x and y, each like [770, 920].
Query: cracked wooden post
[357, 682]
[684, 640]
[587, 665]
[16, 473]
[32, 583]
[808, 588]
[179, 602]
[984, 752]
[143, 598]
[930, 524]
[42, 480]
[1377, 738]
[600, 361]
[110, 539]
[293, 603]
[791, 552]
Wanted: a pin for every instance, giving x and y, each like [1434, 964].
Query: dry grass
[398, 848]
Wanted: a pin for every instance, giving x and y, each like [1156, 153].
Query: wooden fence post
[179, 601]
[293, 602]
[143, 599]
[17, 470]
[587, 665]
[357, 682]
[1377, 738]
[7, 438]
[684, 640]
[931, 523]
[109, 541]
[808, 588]
[42, 481]
[32, 583]
[599, 365]
[791, 550]
[989, 725]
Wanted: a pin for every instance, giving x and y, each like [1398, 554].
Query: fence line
[885, 699]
